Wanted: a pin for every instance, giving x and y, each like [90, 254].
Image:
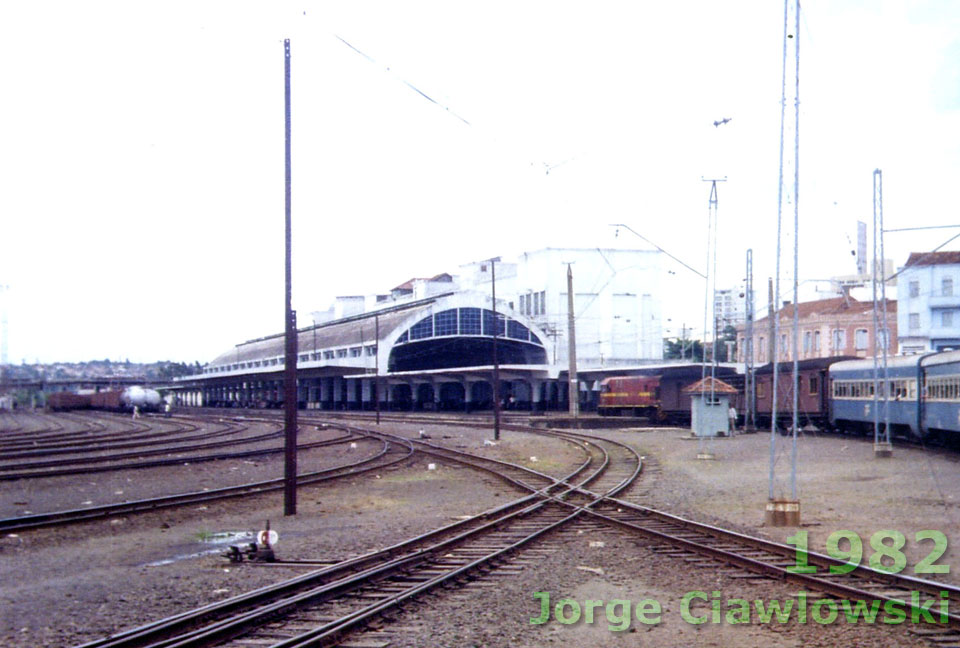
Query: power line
[407, 83]
[627, 227]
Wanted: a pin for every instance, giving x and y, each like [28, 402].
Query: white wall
[617, 300]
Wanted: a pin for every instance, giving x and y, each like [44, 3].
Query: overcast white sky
[141, 149]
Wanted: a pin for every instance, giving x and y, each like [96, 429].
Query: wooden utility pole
[290, 327]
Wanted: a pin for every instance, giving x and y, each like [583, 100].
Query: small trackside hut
[709, 406]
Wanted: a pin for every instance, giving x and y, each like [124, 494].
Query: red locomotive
[630, 395]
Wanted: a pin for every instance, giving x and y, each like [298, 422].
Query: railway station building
[428, 343]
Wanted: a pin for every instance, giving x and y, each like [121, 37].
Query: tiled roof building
[840, 326]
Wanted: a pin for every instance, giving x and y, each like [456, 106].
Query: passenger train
[923, 395]
[837, 393]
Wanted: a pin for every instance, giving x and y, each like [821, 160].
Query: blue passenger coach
[940, 408]
[852, 392]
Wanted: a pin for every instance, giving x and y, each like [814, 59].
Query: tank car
[126, 399]
[145, 399]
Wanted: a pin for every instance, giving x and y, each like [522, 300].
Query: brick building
[840, 326]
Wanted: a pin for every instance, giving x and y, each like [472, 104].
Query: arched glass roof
[467, 322]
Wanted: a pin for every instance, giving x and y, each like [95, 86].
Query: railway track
[17, 432]
[128, 435]
[706, 546]
[319, 608]
[389, 454]
[322, 607]
[176, 454]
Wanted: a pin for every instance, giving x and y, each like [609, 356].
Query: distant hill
[149, 372]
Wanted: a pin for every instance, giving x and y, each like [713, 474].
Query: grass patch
[412, 476]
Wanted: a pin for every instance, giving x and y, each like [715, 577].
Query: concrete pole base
[705, 455]
[883, 450]
[782, 513]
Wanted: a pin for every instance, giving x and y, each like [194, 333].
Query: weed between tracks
[410, 477]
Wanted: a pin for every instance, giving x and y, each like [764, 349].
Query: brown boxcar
[675, 404]
[812, 401]
[108, 400]
[68, 401]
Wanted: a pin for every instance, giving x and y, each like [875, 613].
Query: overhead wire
[402, 80]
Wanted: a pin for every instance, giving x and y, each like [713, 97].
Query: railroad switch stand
[252, 552]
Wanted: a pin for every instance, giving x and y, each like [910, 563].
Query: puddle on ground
[217, 541]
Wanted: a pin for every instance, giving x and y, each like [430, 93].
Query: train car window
[814, 385]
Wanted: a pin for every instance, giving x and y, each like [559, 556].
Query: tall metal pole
[574, 391]
[882, 446]
[774, 316]
[376, 360]
[750, 387]
[883, 304]
[496, 359]
[713, 206]
[876, 324]
[788, 194]
[706, 312]
[290, 317]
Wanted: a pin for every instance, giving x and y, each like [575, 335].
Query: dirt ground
[841, 487]
[64, 587]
